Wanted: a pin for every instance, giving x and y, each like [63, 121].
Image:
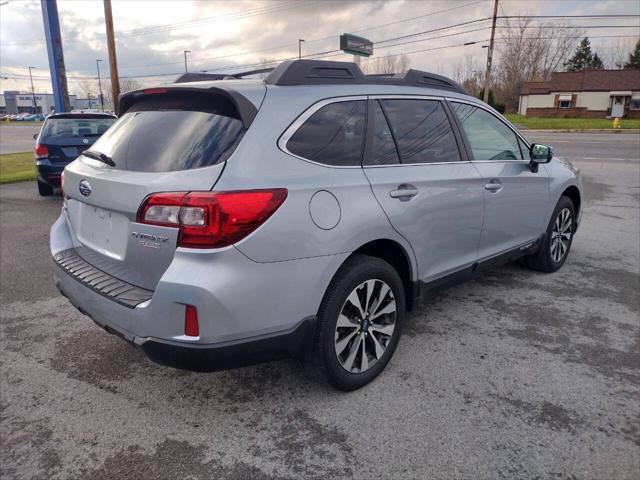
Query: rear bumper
[296, 342]
[49, 173]
[247, 311]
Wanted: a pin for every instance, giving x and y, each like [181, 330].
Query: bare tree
[615, 55]
[266, 63]
[469, 74]
[528, 53]
[387, 64]
[128, 84]
[86, 88]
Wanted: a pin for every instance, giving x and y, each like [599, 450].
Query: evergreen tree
[596, 63]
[582, 59]
[633, 63]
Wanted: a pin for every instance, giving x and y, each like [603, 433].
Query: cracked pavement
[516, 374]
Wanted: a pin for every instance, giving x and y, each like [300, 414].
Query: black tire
[357, 270]
[44, 189]
[543, 260]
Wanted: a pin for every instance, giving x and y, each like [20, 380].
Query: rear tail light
[41, 151]
[211, 219]
[191, 327]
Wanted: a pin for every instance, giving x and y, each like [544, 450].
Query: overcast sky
[234, 35]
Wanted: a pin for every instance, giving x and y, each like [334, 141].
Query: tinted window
[490, 139]
[163, 134]
[74, 127]
[422, 131]
[333, 135]
[382, 150]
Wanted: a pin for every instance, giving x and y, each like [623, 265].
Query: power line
[371, 27]
[80, 78]
[162, 28]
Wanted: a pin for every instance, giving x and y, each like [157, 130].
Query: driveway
[514, 375]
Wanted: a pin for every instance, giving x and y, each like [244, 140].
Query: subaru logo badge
[85, 187]
[85, 140]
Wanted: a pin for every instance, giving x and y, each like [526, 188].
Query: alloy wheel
[561, 235]
[365, 326]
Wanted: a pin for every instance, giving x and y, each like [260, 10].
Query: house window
[564, 101]
[634, 104]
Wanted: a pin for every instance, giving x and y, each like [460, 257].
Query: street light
[100, 85]
[300, 40]
[185, 60]
[33, 92]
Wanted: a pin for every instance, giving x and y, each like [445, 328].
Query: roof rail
[321, 72]
[203, 76]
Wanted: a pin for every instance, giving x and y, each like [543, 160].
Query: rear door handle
[493, 186]
[404, 192]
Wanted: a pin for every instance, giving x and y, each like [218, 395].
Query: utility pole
[113, 62]
[487, 76]
[33, 92]
[185, 60]
[100, 85]
[300, 40]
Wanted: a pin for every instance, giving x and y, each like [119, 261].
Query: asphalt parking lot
[18, 138]
[515, 375]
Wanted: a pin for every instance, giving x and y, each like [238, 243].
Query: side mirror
[35, 136]
[538, 154]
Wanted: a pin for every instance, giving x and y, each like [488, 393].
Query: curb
[581, 130]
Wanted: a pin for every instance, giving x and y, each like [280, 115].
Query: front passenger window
[490, 139]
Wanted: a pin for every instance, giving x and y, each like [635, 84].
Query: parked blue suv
[63, 137]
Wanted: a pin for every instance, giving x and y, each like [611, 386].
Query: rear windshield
[169, 132]
[76, 127]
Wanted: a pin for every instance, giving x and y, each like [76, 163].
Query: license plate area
[101, 230]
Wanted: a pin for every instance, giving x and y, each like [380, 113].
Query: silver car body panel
[272, 279]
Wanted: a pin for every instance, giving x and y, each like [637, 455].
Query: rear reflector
[41, 151]
[211, 219]
[191, 327]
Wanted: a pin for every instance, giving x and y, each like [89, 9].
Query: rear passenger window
[333, 135]
[382, 150]
[490, 139]
[422, 131]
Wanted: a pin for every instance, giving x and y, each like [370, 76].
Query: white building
[589, 93]
[19, 102]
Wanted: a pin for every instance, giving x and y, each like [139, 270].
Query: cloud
[151, 35]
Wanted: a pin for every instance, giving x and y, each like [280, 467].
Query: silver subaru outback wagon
[222, 223]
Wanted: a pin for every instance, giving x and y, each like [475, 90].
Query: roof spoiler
[245, 108]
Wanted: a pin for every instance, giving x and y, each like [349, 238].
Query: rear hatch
[166, 140]
[67, 136]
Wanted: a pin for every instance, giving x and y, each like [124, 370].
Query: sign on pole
[355, 45]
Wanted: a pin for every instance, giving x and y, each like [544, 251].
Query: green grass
[568, 123]
[17, 167]
[24, 124]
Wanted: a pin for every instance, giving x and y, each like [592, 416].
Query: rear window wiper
[101, 157]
